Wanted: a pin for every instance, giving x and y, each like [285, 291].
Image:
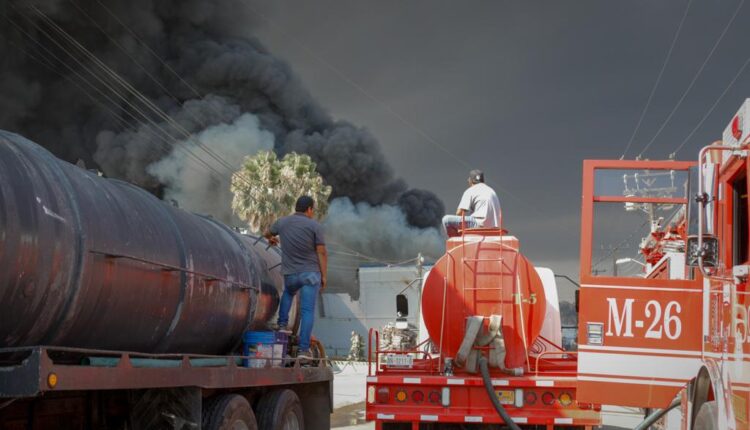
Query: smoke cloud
[198, 62]
[195, 187]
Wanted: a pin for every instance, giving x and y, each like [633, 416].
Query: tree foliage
[266, 188]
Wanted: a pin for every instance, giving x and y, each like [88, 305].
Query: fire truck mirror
[402, 306]
[709, 251]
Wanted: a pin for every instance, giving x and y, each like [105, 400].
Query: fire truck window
[641, 183]
[740, 221]
[629, 239]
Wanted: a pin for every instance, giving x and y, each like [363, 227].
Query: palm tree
[266, 188]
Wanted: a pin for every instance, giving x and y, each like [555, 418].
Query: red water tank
[483, 273]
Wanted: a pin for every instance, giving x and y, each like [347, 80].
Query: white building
[339, 315]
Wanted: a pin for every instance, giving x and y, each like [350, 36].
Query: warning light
[566, 399]
[401, 395]
[52, 380]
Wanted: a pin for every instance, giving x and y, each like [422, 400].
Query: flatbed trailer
[51, 387]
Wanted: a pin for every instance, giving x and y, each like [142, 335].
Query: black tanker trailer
[121, 311]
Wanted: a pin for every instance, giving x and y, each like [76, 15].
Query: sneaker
[283, 329]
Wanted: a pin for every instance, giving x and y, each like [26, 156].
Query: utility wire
[695, 78]
[164, 136]
[150, 50]
[658, 79]
[121, 81]
[711, 109]
[203, 147]
[386, 107]
[111, 74]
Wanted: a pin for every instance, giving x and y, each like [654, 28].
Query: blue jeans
[308, 284]
[452, 223]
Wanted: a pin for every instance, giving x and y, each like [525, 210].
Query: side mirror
[710, 251]
[402, 306]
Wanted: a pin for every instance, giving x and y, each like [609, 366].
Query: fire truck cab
[664, 296]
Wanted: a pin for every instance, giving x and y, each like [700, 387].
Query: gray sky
[524, 90]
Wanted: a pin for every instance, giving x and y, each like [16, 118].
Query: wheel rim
[291, 421]
[239, 425]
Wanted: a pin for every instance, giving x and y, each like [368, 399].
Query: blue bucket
[264, 345]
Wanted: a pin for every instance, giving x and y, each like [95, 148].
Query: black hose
[655, 415]
[485, 371]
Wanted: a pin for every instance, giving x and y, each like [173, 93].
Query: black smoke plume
[199, 62]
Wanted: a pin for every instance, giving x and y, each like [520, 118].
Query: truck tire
[280, 410]
[707, 418]
[228, 412]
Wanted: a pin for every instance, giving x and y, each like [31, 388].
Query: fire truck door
[640, 320]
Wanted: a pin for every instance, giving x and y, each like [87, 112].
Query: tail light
[566, 399]
[530, 398]
[383, 395]
[417, 396]
[548, 398]
[434, 397]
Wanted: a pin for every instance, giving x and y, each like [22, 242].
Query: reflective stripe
[456, 382]
[630, 381]
[500, 382]
[412, 380]
[372, 379]
[428, 417]
[563, 420]
[520, 420]
[386, 416]
[545, 383]
[471, 419]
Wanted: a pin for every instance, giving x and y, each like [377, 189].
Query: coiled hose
[485, 371]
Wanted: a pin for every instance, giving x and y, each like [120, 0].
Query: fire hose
[485, 371]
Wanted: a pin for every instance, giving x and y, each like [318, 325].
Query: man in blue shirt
[304, 263]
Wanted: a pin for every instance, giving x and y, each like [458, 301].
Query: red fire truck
[664, 308]
[664, 313]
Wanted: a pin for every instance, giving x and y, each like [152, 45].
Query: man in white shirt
[479, 207]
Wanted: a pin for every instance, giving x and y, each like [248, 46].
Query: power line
[205, 148]
[165, 135]
[112, 75]
[92, 86]
[711, 109]
[695, 78]
[658, 80]
[383, 105]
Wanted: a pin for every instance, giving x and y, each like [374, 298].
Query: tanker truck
[121, 311]
[493, 354]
